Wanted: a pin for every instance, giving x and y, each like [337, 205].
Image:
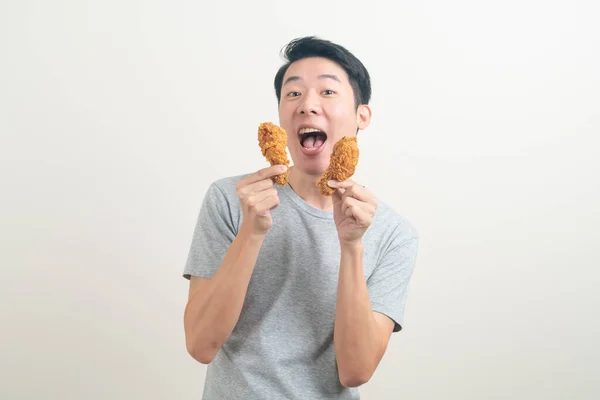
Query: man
[294, 295]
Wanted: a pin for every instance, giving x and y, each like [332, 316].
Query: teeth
[308, 130]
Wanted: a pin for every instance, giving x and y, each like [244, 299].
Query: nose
[310, 104]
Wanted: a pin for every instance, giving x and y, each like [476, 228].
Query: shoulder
[227, 185]
[222, 192]
[221, 202]
[393, 224]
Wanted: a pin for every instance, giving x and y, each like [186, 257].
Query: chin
[312, 167]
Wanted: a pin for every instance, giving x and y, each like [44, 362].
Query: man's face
[316, 95]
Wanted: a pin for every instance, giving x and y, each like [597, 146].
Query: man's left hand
[354, 207]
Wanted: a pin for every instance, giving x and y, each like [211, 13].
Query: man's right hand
[215, 304]
[258, 197]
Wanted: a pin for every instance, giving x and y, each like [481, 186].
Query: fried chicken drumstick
[272, 140]
[342, 164]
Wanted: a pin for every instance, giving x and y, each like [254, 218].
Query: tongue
[309, 142]
[313, 142]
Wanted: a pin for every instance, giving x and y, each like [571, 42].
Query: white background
[115, 116]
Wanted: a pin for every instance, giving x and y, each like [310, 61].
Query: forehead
[310, 69]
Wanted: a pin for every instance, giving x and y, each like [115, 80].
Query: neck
[305, 186]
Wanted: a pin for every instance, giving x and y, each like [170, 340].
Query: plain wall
[115, 116]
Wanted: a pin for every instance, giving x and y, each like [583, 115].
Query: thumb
[337, 196]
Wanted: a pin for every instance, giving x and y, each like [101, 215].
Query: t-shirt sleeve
[389, 281]
[214, 232]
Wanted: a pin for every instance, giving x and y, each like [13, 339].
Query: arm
[214, 305]
[360, 335]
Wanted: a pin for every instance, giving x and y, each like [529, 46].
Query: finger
[337, 195]
[352, 189]
[340, 184]
[263, 174]
[360, 193]
[351, 201]
[264, 207]
[361, 216]
[348, 202]
[261, 196]
[258, 187]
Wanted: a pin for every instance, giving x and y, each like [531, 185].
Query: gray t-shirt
[282, 346]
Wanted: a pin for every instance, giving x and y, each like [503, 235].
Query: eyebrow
[322, 76]
[330, 76]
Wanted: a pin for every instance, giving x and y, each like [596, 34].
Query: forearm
[211, 314]
[355, 333]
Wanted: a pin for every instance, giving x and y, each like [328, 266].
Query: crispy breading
[342, 163]
[272, 140]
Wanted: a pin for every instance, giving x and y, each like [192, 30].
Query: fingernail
[282, 168]
[332, 184]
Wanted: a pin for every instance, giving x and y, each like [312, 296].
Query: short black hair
[312, 46]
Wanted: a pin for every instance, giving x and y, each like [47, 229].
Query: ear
[363, 116]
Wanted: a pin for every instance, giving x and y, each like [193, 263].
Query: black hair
[312, 46]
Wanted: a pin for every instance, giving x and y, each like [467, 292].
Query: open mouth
[311, 139]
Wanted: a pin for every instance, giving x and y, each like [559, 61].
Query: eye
[328, 92]
[293, 94]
